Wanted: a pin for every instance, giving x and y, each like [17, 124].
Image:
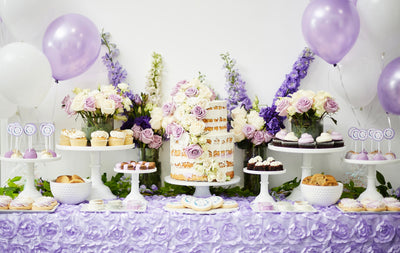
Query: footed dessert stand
[370, 192]
[135, 193]
[202, 188]
[29, 187]
[307, 163]
[264, 195]
[99, 190]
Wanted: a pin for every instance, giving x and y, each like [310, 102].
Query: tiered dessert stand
[202, 188]
[306, 166]
[370, 192]
[264, 195]
[135, 193]
[29, 187]
[99, 190]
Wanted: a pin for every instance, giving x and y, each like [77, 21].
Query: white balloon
[7, 109]
[25, 74]
[380, 19]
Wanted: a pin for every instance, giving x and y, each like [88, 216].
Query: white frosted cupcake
[99, 138]
[128, 136]
[65, 138]
[117, 138]
[78, 138]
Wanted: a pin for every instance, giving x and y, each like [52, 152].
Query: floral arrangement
[153, 84]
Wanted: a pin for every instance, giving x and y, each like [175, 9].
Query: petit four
[21, 203]
[279, 137]
[128, 136]
[44, 203]
[337, 139]
[4, 201]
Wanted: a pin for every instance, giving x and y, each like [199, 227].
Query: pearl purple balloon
[389, 87]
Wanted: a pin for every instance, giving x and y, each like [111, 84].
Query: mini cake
[375, 206]
[268, 163]
[324, 141]
[117, 138]
[276, 166]
[99, 138]
[128, 136]
[150, 165]
[4, 202]
[65, 138]
[21, 203]
[30, 154]
[265, 206]
[306, 141]
[78, 138]
[337, 139]
[115, 204]
[279, 137]
[252, 162]
[259, 166]
[124, 166]
[390, 156]
[44, 203]
[290, 140]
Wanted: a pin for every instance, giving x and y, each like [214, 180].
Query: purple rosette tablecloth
[156, 230]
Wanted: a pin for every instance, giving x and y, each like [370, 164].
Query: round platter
[257, 172]
[170, 180]
[136, 171]
[89, 148]
[36, 160]
[306, 150]
[370, 162]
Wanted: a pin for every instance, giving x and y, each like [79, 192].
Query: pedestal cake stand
[370, 192]
[99, 190]
[202, 188]
[306, 166]
[29, 187]
[264, 195]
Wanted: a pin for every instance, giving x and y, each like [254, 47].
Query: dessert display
[98, 138]
[133, 165]
[385, 204]
[320, 180]
[257, 163]
[201, 149]
[201, 204]
[306, 140]
[69, 179]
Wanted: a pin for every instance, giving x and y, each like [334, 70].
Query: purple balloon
[389, 87]
[72, 44]
[330, 28]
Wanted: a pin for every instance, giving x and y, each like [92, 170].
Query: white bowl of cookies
[321, 190]
[69, 189]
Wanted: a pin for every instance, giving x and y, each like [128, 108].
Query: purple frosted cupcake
[337, 139]
[279, 137]
[306, 141]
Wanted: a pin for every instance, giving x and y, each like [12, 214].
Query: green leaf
[380, 178]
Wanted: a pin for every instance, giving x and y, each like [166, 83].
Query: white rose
[108, 106]
[100, 97]
[239, 113]
[123, 86]
[195, 82]
[93, 93]
[180, 113]
[199, 170]
[78, 102]
[291, 110]
[156, 118]
[166, 121]
[238, 134]
[108, 90]
[197, 127]
[221, 175]
[184, 140]
[239, 123]
[253, 118]
[207, 164]
[126, 102]
[205, 92]
[179, 97]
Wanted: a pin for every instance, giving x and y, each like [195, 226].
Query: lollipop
[16, 131]
[388, 133]
[371, 137]
[378, 137]
[30, 129]
[354, 135]
[362, 136]
[47, 130]
[10, 128]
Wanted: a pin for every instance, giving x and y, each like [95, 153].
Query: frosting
[77, 134]
[324, 137]
[379, 156]
[255, 159]
[67, 132]
[259, 164]
[44, 201]
[276, 163]
[375, 205]
[21, 201]
[5, 200]
[117, 134]
[281, 134]
[128, 132]
[388, 200]
[270, 159]
[336, 136]
[291, 137]
[306, 138]
[99, 134]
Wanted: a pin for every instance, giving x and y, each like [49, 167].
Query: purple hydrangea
[143, 122]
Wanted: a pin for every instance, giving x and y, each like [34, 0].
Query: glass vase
[310, 126]
[251, 181]
[97, 123]
[150, 179]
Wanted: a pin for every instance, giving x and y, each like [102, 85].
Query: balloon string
[347, 97]
[390, 126]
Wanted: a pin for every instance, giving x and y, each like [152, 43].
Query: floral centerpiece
[306, 109]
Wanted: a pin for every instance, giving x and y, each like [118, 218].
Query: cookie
[216, 201]
[230, 204]
[200, 204]
[187, 201]
[175, 204]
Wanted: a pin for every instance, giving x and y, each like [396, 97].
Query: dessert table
[157, 230]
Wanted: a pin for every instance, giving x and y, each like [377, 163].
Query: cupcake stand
[306, 166]
[202, 188]
[29, 187]
[264, 195]
[370, 192]
[99, 190]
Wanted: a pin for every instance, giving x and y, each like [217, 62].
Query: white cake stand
[202, 188]
[264, 195]
[29, 187]
[99, 190]
[370, 192]
[307, 163]
[135, 193]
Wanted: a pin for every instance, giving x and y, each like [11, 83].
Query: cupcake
[268, 163]
[258, 166]
[78, 138]
[65, 139]
[252, 162]
[275, 166]
[324, 141]
[99, 138]
[279, 136]
[117, 138]
[306, 141]
[337, 139]
[290, 140]
[128, 136]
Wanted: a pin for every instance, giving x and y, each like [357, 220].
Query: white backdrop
[264, 36]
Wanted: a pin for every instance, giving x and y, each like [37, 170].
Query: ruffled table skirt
[156, 230]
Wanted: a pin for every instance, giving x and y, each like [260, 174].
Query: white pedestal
[99, 190]
[202, 188]
[306, 166]
[370, 192]
[135, 193]
[29, 187]
[264, 195]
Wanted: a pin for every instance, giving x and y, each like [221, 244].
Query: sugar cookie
[187, 201]
[175, 204]
[216, 201]
[230, 204]
[200, 204]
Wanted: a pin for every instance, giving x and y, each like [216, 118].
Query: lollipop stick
[46, 145]
[29, 142]
[16, 143]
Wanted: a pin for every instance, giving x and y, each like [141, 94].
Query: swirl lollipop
[388, 134]
[362, 136]
[355, 137]
[371, 137]
[378, 137]
[47, 130]
[10, 130]
[30, 129]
